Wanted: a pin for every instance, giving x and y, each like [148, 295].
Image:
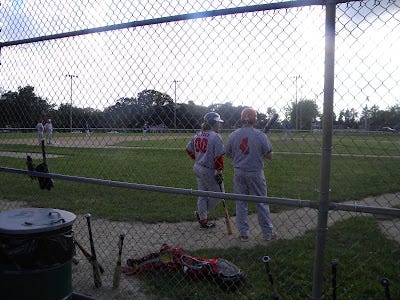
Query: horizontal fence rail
[170, 190]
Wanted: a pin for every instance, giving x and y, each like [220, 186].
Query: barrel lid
[34, 220]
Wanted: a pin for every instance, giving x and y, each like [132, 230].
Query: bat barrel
[118, 268]
[94, 262]
[270, 122]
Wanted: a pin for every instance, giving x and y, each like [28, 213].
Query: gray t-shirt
[246, 147]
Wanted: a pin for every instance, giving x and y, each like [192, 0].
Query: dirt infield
[109, 141]
[94, 141]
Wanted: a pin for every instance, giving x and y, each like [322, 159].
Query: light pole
[297, 107]
[70, 112]
[175, 82]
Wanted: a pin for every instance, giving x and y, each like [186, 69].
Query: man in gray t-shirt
[248, 147]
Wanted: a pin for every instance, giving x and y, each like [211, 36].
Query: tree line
[23, 108]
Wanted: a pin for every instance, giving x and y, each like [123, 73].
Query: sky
[262, 59]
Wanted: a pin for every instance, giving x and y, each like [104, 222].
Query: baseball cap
[212, 117]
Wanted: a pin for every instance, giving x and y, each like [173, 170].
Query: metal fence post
[326, 149]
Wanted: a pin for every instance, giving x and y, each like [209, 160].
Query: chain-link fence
[124, 85]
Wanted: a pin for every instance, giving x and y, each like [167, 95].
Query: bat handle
[334, 264]
[385, 283]
[266, 259]
[43, 152]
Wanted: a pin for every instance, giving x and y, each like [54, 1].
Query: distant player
[87, 129]
[248, 147]
[145, 128]
[288, 129]
[40, 129]
[207, 149]
[48, 128]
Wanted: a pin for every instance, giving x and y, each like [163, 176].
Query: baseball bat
[334, 264]
[44, 153]
[118, 267]
[95, 263]
[385, 283]
[44, 182]
[226, 212]
[266, 261]
[88, 255]
[270, 122]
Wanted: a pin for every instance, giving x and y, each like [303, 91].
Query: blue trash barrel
[36, 251]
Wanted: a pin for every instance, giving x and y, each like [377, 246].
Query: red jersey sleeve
[219, 163]
[191, 154]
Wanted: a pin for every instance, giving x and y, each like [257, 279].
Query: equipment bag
[219, 270]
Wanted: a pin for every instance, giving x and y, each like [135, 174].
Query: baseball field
[363, 166]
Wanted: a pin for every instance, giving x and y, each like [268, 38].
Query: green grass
[290, 174]
[364, 256]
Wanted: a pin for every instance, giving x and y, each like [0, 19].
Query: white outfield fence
[330, 70]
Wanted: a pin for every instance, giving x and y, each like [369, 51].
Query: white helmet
[212, 117]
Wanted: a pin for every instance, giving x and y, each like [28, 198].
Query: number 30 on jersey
[200, 145]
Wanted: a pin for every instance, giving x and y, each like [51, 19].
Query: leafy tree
[157, 107]
[22, 109]
[350, 116]
[303, 114]
[366, 120]
[379, 118]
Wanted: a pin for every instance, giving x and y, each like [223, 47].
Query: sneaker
[244, 238]
[206, 225]
[273, 235]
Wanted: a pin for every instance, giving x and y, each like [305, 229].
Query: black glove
[219, 178]
[31, 166]
[44, 182]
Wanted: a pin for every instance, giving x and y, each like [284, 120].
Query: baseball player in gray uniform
[207, 149]
[248, 147]
[40, 129]
[48, 128]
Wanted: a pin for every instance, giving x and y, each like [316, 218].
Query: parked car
[388, 129]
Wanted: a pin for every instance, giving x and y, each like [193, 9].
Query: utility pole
[366, 114]
[70, 112]
[175, 82]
